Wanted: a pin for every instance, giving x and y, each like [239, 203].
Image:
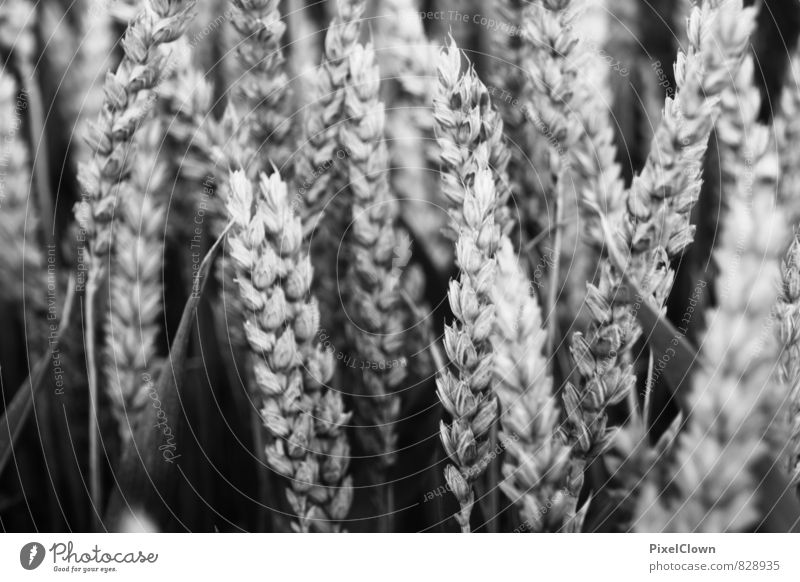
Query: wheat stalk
[304, 420]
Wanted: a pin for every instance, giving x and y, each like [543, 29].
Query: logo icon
[31, 555]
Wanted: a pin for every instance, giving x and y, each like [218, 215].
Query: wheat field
[400, 266]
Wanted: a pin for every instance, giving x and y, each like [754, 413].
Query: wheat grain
[304, 421]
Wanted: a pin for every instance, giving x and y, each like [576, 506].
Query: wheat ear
[655, 225]
[128, 100]
[126, 104]
[529, 158]
[787, 312]
[466, 390]
[787, 129]
[304, 419]
[465, 120]
[536, 467]
[263, 89]
[321, 166]
[732, 398]
[322, 146]
[376, 253]
[135, 289]
[550, 46]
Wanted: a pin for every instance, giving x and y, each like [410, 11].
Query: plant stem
[492, 480]
[41, 165]
[259, 444]
[387, 519]
[648, 391]
[552, 302]
[96, 273]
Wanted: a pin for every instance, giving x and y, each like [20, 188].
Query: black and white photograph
[400, 267]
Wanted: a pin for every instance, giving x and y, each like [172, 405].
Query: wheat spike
[787, 129]
[465, 120]
[732, 398]
[376, 253]
[303, 418]
[536, 467]
[128, 100]
[134, 305]
[466, 392]
[321, 169]
[655, 226]
[322, 147]
[787, 312]
[263, 88]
